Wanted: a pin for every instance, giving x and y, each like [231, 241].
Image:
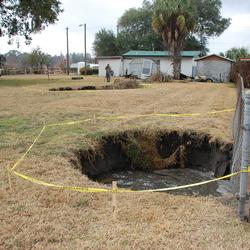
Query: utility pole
[85, 46]
[67, 36]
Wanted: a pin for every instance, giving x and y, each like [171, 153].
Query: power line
[67, 37]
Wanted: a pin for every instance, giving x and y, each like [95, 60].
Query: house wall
[115, 64]
[217, 69]
[135, 66]
[126, 63]
[187, 66]
[166, 66]
[119, 66]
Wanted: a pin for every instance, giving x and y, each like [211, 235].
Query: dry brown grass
[34, 217]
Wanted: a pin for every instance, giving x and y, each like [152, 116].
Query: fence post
[243, 213]
[114, 202]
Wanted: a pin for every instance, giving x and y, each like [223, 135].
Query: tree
[105, 43]
[12, 58]
[221, 54]
[21, 18]
[37, 58]
[135, 30]
[136, 33]
[193, 43]
[210, 23]
[176, 19]
[79, 57]
[2, 61]
[237, 53]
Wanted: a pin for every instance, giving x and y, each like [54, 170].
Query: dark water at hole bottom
[139, 180]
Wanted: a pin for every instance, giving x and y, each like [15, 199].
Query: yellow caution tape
[32, 145]
[46, 184]
[106, 118]
[220, 111]
[103, 190]
[121, 117]
[68, 123]
[80, 189]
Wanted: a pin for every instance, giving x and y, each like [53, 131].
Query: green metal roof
[141, 53]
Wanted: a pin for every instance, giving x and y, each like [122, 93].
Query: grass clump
[126, 84]
[136, 155]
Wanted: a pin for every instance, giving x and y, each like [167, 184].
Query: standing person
[108, 72]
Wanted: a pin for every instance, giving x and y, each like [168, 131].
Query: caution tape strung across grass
[100, 190]
[121, 117]
[105, 190]
[31, 146]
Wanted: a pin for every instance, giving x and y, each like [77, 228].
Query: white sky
[104, 14]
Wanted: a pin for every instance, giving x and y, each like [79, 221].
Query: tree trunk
[177, 65]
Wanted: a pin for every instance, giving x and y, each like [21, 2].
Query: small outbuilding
[113, 61]
[214, 67]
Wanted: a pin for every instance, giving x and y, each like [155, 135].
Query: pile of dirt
[73, 88]
[154, 150]
[125, 84]
[159, 77]
[118, 84]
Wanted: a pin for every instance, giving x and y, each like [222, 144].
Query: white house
[134, 61]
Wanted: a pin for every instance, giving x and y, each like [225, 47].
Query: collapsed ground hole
[156, 159]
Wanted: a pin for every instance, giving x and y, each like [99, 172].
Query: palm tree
[174, 20]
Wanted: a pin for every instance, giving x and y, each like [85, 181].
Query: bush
[37, 71]
[90, 71]
[242, 68]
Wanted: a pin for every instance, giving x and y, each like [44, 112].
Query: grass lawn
[35, 217]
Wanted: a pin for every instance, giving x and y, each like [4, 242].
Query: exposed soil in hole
[145, 154]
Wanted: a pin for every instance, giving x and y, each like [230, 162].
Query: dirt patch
[118, 84]
[73, 88]
[154, 150]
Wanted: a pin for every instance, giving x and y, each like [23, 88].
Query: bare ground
[34, 217]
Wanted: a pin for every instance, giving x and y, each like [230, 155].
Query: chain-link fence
[241, 152]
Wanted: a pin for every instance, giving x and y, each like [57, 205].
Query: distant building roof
[108, 57]
[245, 59]
[82, 64]
[141, 53]
[214, 55]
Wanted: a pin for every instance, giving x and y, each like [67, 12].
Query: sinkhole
[146, 159]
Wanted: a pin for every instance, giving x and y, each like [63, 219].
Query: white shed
[115, 63]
